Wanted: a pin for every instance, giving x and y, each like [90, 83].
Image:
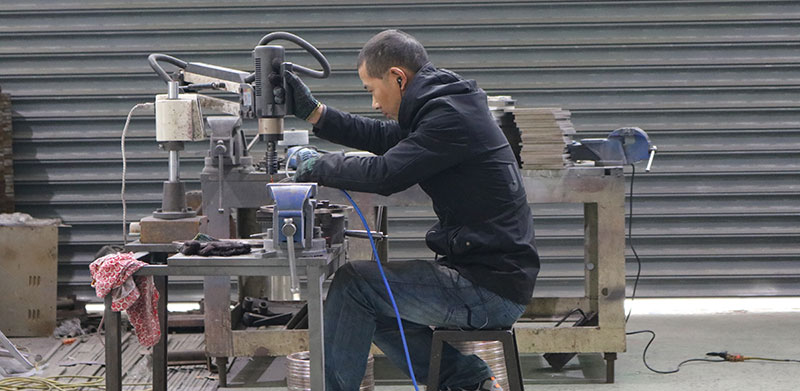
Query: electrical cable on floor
[125, 169]
[52, 383]
[644, 354]
[724, 356]
[636, 284]
[630, 241]
[388, 289]
[739, 358]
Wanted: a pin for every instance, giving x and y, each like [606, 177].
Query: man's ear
[399, 76]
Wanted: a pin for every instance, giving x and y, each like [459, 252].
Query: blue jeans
[358, 312]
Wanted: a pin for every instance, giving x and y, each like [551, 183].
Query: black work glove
[224, 249]
[191, 247]
[303, 102]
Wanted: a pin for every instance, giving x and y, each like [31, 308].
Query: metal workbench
[316, 269]
[601, 190]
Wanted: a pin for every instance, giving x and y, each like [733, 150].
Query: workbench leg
[610, 358]
[217, 322]
[316, 331]
[160, 349]
[222, 371]
[113, 348]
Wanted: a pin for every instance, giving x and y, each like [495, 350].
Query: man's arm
[342, 128]
[358, 132]
[424, 153]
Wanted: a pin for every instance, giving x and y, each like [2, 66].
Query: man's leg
[426, 294]
[457, 369]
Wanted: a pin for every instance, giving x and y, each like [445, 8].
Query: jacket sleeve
[435, 145]
[359, 132]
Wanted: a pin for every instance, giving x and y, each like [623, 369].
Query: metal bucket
[489, 351]
[298, 373]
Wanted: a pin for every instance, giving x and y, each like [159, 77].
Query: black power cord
[678, 368]
[724, 356]
[583, 315]
[630, 241]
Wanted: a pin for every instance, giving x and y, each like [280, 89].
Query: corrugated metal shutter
[714, 83]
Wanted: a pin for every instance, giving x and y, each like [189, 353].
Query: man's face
[386, 92]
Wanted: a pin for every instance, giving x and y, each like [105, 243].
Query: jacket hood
[430, 83]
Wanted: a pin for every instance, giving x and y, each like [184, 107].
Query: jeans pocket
[499, 311]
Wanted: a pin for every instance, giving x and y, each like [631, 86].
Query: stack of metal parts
[6, 157]
[502, 108]
[538, 136]
[545, 134]
[489, 351]
[298, 376]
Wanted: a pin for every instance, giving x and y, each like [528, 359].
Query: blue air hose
[389, 290]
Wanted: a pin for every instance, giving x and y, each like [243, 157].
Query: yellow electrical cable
[770, 359]
[52, 383]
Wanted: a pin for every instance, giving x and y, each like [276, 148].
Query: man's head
[386, 65]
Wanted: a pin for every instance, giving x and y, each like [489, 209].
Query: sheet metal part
[298, 376]
[491, 352]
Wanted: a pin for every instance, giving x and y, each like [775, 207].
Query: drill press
[262, 96]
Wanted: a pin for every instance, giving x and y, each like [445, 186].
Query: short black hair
[391, 48]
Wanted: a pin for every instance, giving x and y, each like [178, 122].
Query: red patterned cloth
[112, 274]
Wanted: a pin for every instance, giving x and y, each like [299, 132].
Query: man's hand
[306, 107]
[303, 159]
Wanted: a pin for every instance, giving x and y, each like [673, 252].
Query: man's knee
[356, 270]
[350, 273]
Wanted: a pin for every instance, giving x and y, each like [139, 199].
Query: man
[442, 136]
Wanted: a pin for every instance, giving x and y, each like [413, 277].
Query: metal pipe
[174, 166]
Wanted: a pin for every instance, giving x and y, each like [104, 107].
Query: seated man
[442, 136]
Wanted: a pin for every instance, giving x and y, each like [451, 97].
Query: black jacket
[447, 141]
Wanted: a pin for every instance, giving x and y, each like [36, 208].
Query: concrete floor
[691, 336]
[679, 337]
